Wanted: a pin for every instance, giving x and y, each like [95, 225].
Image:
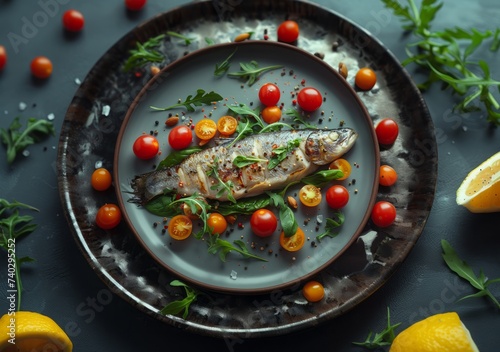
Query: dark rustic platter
[94, 117]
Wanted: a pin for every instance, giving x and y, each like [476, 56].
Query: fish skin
[316, 148]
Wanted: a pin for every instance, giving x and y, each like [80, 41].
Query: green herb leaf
[223, 67]
[381, 339]
[285, 213]
[242, 161]
[144, 53]
[297, 117]
[223, 247]
[331, 226]
[462, 269]
[186, 40]
[181, 306]
[17, 140]
[322, 177]
[244, 206]
[250, 71]
[191, 102]
[223, 187]
[176, 157]
[280, 153]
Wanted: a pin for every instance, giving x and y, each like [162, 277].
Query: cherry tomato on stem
[3, 57]
[263, 222]
[180, 137]
[41, 67]
[108, 216]
[309, 99]
[288, 31]
[387, 131]
[337, 196]
[383, 213]
[101, 179]
[269, 94]
[365, 78]
[146, 147]
[73, 20]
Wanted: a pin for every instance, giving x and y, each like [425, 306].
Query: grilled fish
[294, 154]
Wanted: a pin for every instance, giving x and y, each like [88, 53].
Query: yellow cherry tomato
[205, 129]
[313, 291]
[294, 242]
[101, 179]
[180, 227]
[310, 195]
[342, 165]
[216, 223]
[226, 125]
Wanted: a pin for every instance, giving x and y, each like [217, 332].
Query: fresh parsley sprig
[223, 247]
[144, 53]
[250, 71]
[481, 283]
[181, 306]
[16, 140]
[380, 339]
[190, 103]
[447, 55]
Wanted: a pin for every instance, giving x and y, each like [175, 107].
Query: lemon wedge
[32, 332]
[480, 190]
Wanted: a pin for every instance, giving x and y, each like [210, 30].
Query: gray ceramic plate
[93, 120]
[189, 259]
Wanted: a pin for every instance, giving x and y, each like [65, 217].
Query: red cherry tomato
[309, 99]
[180, 137]
[269, 94]
[3, 57]
[365, 78]
[383, 214]
[135, 5]
[387, 175]
[337, 196]
[41, 67]
[108, 216]
[288, 31]
[146, 147]
[263, 222]
[73, 20]
[387, 131]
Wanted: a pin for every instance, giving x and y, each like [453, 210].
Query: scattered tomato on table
[41, 67]
[73, 20]
[3, 57]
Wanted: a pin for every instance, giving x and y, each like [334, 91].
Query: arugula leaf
[17, 140]
[381, 339]
[462, 269]
[280, 153]
[187, 40]
[191, 102]
[223, 67]
[297, 117]
[144, 53]
[215, 244]
[331, 226]
[176, 157]
[250, 71]
[222, 187]
[245, 125]
[176, 307]
[242, 161]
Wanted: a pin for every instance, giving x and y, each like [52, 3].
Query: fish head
[324, 146]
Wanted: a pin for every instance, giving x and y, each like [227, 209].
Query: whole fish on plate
[280, 158]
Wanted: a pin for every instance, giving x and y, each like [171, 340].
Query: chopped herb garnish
[176, 307]
[250, 71]
[144, 53]
[280, 153]
[201, 98]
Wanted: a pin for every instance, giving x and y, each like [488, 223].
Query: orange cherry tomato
[310, 195]
[365, 78]
[342, 165]
[180, 227]
[108, 216]
[41, 67]
[101, 179]
[271, 114]
[294, 242]
[216, 223]
[313, 291]
[226, 125]
[205, 129]
[388, 176]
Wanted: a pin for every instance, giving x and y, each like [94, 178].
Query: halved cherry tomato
[73, 20]
[313, 291]
[263, 222]
[41, 67]
[365, 78]
[383, 213]
[271, 114]
[135, 5]
[387, 131]
[226, 125]
[146, 147]
[269, 94]
[294, 242]
[387, 175]
[310, 195]
[180, 227]
[216, 223]
[288, 31]
[337, 196]
[180, 137]
[108, 216]
[3, 57]
[101, 179]
[205, 129]
[309, 99]
[342, 165]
